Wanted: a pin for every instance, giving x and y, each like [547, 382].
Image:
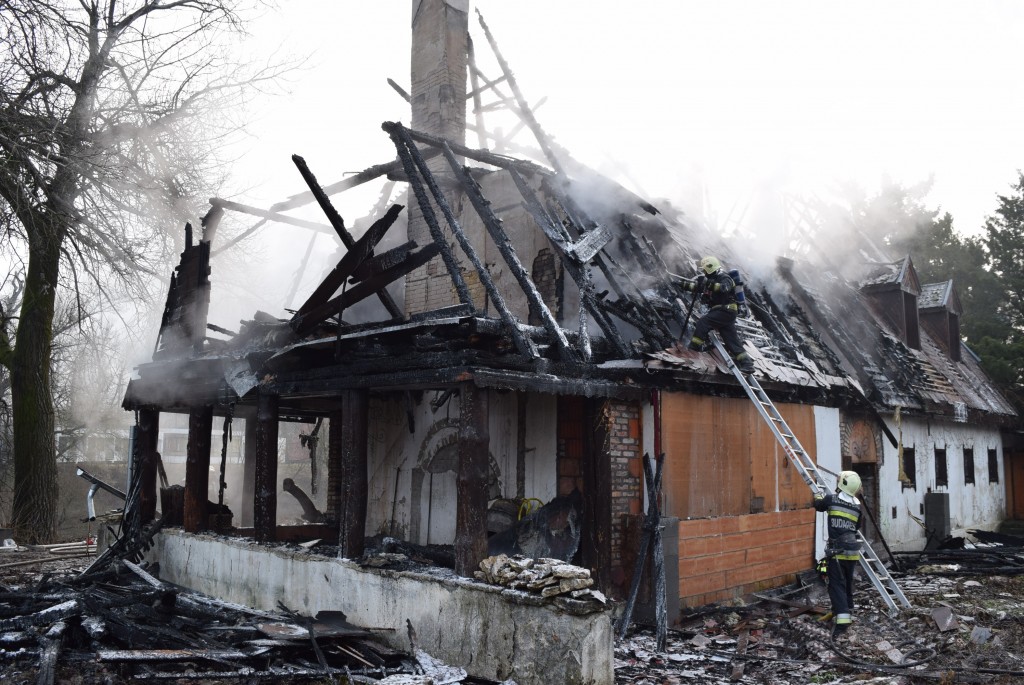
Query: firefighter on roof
[717, 289]
[843, 547]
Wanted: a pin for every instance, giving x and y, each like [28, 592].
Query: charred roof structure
[540, 306]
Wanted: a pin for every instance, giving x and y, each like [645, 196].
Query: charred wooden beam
[146, 436]
[265, 505]
[524, 108]
[334, 442]
[359, 251]
[580, 273]
[339, 226]
[353, 472]
[248, 470]
[365, 288]
[471, 488]
[504, 245]
[483, 156]
[401, 91]
[364, 176]
[382, 262]
[411, 159]
[270, 216]
[197, 469]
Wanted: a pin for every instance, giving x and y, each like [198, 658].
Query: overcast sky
[788, 95]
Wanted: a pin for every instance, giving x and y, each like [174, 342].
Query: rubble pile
[62, 624]
[548, 577]
[959, 630]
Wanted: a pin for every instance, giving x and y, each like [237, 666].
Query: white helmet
[849, 482]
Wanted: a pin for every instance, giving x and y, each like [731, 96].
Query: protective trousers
[840, 588]
[723, 321]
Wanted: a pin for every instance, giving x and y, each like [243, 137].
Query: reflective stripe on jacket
[843, 523]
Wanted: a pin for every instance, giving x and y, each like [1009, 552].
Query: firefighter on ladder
[842, 551]
[717, 289]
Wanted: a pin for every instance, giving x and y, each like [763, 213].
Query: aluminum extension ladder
[873, 567]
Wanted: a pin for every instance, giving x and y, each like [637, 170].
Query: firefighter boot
[745, 363]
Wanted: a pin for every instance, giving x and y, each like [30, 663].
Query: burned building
[509, 334]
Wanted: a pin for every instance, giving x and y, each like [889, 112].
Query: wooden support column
[596, 540]
[471, 487]
[146, 435]
[334, 496]
[249, 470]
[265, 473]
[197, 469]
[353, 472]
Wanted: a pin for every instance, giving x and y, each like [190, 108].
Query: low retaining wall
[490, 631]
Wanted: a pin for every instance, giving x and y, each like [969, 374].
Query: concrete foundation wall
[981, 504]
[491, 632]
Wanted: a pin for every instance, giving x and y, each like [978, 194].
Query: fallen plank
[168, 654]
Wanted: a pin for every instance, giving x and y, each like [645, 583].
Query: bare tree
[105, 109]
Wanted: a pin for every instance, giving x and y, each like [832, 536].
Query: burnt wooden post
[596, 540]
[471, 488]
[264, 513]
[249, 470]
[353, 485]
[147, 432]
[334, 495]
[197, 469]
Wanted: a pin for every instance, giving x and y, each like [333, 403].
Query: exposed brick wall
[624, 442]
[545, 278]
[728, 557]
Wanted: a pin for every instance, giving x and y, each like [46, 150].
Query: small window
[941, 473]
[993, 466]
[969, 465]
[909, 468]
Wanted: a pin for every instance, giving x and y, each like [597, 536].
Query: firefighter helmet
[710, 265]
[849, 482]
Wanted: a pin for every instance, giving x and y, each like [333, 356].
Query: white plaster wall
[978, 505]
[828, 456]
[491, 632]
[424, 510]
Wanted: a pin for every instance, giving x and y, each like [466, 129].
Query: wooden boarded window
[723, 460]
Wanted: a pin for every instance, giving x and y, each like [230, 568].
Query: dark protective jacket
[843, 524]
[719, 291]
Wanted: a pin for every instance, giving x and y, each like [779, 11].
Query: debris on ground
[60, 624]
[548, 577]
[780, 638]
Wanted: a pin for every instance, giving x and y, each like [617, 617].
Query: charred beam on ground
[504, 245]
[339, 226]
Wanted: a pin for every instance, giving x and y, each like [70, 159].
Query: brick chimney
[440, 35]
